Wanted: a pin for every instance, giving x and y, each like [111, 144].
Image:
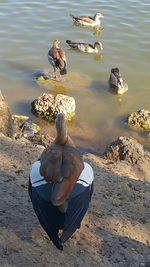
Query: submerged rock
[47, 106]
[6, 124]
[140, 119]
[44, 76]
[128, 149]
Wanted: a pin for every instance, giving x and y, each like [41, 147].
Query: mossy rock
[47, 106]
[140, 119]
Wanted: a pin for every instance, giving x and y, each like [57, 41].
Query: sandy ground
[114, 232]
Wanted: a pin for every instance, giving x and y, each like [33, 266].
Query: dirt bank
[115, 231]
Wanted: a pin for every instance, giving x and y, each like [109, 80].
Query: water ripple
[28, 28]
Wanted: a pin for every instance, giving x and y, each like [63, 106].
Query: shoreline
[114, 233]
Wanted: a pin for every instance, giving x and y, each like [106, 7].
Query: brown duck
[61, 163]
[57, 59]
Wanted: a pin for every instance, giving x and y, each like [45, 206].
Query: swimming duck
[85, 47]
[57, 59]
[60, 186]
[116, 82]
[87, 20]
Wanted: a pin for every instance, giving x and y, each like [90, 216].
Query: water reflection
[97, 30]
[97, 57]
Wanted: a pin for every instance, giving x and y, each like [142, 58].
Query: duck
[116, 82]
[87, 20]
[61, 160]
[60, 186]
[85, 47]
[57, 59]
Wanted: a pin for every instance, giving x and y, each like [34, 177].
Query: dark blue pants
[51, 219]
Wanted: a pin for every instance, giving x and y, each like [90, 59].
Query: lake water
[27, 29]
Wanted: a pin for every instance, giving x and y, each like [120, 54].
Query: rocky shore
[116, 230]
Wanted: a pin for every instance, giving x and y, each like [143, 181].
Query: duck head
[98, 15]
[56, 43]
[115, 70]
[98, 45]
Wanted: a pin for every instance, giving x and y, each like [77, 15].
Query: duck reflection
[97, 30]
[97, 57]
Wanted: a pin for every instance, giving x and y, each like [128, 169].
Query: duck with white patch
[85, 47]
[87, 20]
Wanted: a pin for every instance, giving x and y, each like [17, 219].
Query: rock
[47, 106]
[43, 76]
[6, 124]
[140, 119]
[128, 149]
[24, 127]
[40, 139]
